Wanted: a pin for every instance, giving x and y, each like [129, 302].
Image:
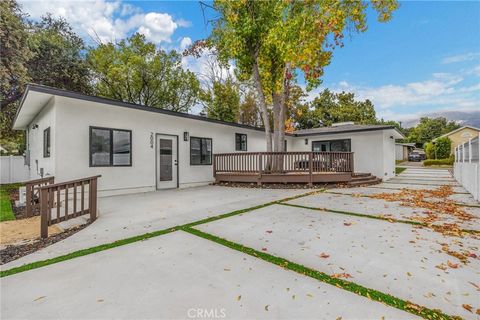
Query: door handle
[175, 162]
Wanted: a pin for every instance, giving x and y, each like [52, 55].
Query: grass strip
[371, 294]
[399, 170]
[369, 196]
[6, 212]
[370, 216]
[84, 252]
[122, 242]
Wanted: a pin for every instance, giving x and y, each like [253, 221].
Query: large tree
[134, 70]
[329, 107]
[58, 56]
[429, 129]
[46, 52]
[270, 41]
[222, 102]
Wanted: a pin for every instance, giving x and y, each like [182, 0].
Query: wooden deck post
[29, 204]
[44, 214]
[92, 196]
[260, 166]
[310, 167]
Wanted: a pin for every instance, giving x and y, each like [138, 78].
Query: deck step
[365, 182]
[363, 179]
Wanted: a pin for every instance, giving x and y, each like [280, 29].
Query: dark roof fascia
[81, 96]
[346, 131]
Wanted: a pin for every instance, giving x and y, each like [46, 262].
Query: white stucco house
[139, 148]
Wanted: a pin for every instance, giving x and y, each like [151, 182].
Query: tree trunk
[263, 105]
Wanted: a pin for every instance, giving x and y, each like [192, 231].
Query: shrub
[438, 162]
[429, 150]
[443, 148]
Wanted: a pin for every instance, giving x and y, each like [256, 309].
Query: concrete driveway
[357, 257]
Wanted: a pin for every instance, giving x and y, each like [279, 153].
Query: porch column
[470, 150]
[463, 152]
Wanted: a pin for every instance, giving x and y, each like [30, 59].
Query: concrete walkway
[179, 275]
[125, 216]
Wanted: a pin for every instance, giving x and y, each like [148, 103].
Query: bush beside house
[438, 150]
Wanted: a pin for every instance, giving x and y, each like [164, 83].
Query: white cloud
[442, 89]
[157, 27]
[107, 20]
[461, 57]
[185, 43]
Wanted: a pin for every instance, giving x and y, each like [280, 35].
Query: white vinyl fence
[467, 167]
[13, 169]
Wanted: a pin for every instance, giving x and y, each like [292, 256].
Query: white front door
[167, 161]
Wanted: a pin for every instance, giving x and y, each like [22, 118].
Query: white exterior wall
[13, 169]
[388, 154]
[74, 117]
[368, 148]
[46, 118]
[399, 152]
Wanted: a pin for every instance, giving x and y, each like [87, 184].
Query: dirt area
[13, 252]
[15, 231]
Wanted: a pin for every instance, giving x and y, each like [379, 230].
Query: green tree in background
[429, 129]
[134, 70]
[14, 52]
[270, 41]
[443, 148]
[47, 52]
[248, 110]
[58, 56]
[329, 107]
[223, 102]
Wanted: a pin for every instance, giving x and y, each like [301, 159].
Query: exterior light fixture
[35, 126]
[306, 141]
[185, 136]
[151, 140]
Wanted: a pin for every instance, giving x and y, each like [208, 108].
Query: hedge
[438, 162]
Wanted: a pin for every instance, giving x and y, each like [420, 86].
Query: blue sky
[427, 59]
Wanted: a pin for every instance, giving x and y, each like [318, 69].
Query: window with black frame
[240, 142]
[200, 151]
[110, 147]
[341, 145]
[46, 143]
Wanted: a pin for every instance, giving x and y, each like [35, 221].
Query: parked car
[414, 156]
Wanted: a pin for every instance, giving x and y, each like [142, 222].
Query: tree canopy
[270, 41]
[134, 70]
[429, 129]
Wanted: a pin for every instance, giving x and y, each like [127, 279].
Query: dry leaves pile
[438, 206]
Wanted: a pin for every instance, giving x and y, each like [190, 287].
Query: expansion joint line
[369, 293]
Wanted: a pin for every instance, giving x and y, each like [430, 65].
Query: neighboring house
[402, 150]
[460, 136]
[138, 148]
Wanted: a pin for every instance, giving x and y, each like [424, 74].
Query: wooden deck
[284, 167]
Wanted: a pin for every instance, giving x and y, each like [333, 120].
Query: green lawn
[399, 161]
[399, 170]
[6, 212]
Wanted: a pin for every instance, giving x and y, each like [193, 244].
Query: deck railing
[32, 194]
[283, 162]
[67, 200]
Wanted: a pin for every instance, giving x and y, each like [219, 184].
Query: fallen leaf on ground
[342, 275]
[347, 224]
[226, 269]
[266, 307]
[264, 249]
[324, 255]
[269, 231]
[452, 265]
[239, 297]
[467, 307]
[39, 298]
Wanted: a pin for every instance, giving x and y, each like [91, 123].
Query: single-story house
[460, 136]
[139, 148]
[402, 150]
